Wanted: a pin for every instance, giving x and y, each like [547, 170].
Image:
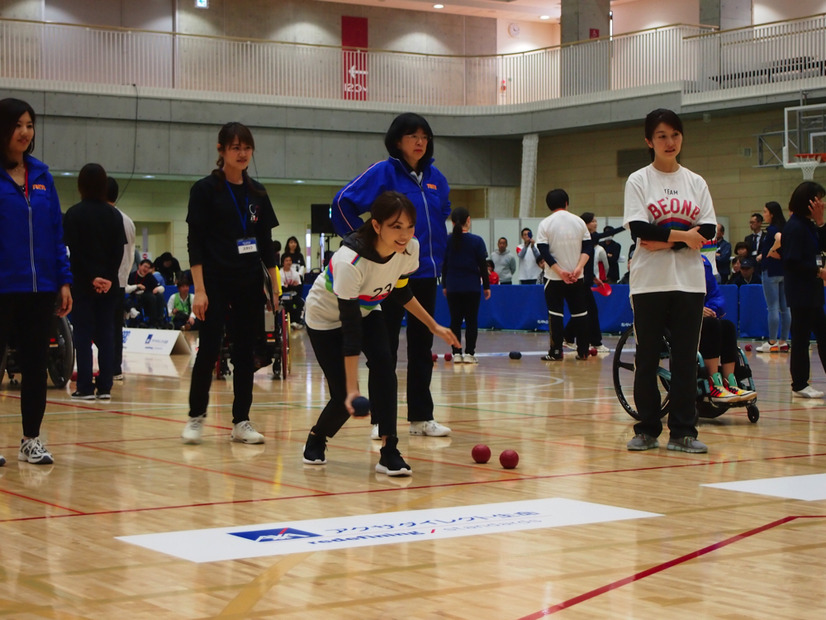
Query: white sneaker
[571, 346]
[602, 349]
[808, 392]
[374, 432]
[243, 432]
[193, 430]
[133, 313]
[33, 451]
[470, 359]
[458, 358]
[431, 428]
[766, 347]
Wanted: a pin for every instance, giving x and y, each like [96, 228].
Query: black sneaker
[553, 357]
[82, 396]
[391, 461]
[314, 449]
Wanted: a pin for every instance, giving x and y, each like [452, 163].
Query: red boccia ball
[448, 357]
[748, 347]
[509, 459]
[592, 350]
[480, 453]
[435, 357]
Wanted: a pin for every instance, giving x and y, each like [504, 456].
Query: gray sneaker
[641, 442]
[688, 444]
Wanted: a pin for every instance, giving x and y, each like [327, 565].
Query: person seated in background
[735, 269]
[179, 308]
[292, 289]
[145, 293]
[747, 274]
[741, 249]
[493, 277]
[168, 267]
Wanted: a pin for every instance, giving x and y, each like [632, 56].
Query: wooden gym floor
[121, 470]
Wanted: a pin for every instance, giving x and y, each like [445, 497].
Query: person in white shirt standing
[669, 212]
[529, 269]
[565, 244]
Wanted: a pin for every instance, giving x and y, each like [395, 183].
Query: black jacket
[801, 244]
[93, 232]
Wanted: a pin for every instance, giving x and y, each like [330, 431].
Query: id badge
[247, 246]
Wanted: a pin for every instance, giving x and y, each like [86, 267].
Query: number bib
[247, 246]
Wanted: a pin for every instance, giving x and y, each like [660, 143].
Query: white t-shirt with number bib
[352, 276]
[677, 201]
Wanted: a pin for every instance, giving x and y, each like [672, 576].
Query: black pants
[804, 322]
[594, 329]
[382, 385]
[464, 307]
[718, 338]
[28, 317]
[92, 316]
[419, 345]
[242, 302]
[152, 305]
[557, 293]
[681, 315]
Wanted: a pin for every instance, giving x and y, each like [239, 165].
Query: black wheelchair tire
[62, 358]
[620, 365]
[4, 356]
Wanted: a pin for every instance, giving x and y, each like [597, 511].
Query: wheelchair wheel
[753, 413]
[624, 368]
[61, 353]
[285, 344]
[4, 358]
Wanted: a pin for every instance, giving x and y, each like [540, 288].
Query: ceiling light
[438, 6]
[544, 17]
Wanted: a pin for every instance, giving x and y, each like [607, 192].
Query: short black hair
[112, 190]
[405, 124]
[92, 182]
[803, 195]
[556, 199]
[759, 216]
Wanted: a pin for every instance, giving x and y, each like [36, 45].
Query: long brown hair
[10, 112]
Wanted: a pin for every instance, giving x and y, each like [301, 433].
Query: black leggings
[557, 293]
[804, 322]
[29, 317]
[464, 307]
[681, 314]
[243, 303]
[594, 329]
[381, 383]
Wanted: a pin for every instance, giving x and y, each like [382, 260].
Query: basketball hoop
[808, 162]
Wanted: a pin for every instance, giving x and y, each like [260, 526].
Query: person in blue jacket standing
[35, 279]
[408, 170]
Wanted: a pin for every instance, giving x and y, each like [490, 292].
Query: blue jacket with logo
[33, 258]
[430, 199]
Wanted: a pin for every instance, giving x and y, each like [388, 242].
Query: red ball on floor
[480, 453]
[448, 357]
[509, 459]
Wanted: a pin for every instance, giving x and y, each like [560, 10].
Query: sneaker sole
[86, 397]
[254, 442]
[679, 448]
[424, 434]
[798, 395]
[381, 469]
[653, 446]
[191, 442]
[316, 462]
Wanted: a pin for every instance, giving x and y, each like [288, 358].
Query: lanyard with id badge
[246, 244]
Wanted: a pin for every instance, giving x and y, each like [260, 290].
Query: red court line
[39, 501]
[661, 567]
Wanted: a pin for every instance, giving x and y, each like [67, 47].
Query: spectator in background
[493, 277]
[504, 262]
[146, 294]
[292, 289]
[741, 249]
[528, 255]
[94, 234]
[723, 255]
[168, 267]
[747, 273]
[179, 307]
[613, 251]
[463, 272]
[123, 278]
[293, 250]
[769, 259]
[277, 247]
[755, 238]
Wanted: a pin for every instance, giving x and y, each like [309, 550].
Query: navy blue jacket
[33, 257]
[465, 267]
[769, 266]
[801, 244]
[430, 199]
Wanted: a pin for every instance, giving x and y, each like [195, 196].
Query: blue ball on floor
[361, 406]
[515, 355]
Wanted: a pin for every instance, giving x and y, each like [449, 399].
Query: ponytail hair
[389, 206]
[226, 136]
[459, 217]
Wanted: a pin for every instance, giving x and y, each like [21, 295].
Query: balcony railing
[702, 60]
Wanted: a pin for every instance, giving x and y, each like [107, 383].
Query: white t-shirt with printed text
[677, 201]
[352, 276]
[564, 233]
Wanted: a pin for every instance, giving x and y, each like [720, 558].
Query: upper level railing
[704, 61]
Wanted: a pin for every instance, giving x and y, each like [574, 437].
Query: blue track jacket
[430, 198]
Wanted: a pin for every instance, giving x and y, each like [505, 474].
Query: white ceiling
[517, 10]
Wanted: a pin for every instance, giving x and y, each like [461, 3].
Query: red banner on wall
[354, 57]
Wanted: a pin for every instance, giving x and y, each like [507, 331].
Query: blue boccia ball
[361, 405]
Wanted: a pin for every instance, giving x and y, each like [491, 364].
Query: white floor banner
[155, 341]
[282, 538]
[810, 488]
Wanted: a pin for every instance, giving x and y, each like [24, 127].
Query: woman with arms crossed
[344, 318]
[668, 209]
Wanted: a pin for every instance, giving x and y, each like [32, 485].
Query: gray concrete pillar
[726, 14]
[586, 68]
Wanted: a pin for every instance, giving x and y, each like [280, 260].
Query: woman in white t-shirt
[669, 212]
[344, 318]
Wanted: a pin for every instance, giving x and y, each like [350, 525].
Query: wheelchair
[273, 346]
[61, 361]
[623, 374]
